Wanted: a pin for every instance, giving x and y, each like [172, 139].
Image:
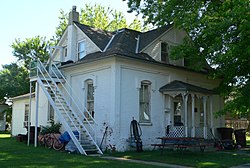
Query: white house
[98, 78]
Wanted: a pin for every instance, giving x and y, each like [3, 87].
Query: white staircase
[67, 108]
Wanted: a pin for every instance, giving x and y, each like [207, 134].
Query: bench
[180, 143]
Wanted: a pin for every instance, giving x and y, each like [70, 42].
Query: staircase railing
[42, 72]
[73, 97]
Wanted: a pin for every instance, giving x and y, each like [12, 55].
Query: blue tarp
[65, 137]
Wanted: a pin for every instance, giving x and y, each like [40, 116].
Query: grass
[17, 154]
[195, 159]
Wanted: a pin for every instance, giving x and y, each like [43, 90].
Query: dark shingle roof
[124, 41]
[147, 37]
[182, 86]
[98, 36]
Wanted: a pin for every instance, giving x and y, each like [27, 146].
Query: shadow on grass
[213, 159]
[18, 154]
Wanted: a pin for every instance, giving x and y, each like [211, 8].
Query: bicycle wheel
[57, 145]
[48, 141]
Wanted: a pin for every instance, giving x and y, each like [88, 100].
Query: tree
[31, 48]
[219, 33]
[14, 81]
[99, 17]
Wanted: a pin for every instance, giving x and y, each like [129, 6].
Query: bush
[52, 128]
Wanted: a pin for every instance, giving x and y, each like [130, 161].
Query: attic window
[165, 52]
[65, 51]
[81, 49]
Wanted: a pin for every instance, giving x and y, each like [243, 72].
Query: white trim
[84, 51]
[137, 44]
[109, 43]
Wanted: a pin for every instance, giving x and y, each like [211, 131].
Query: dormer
[79, 40]
[158, 43]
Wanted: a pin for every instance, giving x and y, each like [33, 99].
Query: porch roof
[179, 86]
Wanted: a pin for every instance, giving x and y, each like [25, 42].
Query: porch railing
[179, 131]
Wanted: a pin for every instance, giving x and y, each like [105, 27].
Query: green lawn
[17, 154]
[195, 159]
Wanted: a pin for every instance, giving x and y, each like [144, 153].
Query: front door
[177, 111]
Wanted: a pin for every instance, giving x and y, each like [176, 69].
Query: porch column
[205, 116]
[211, 113]
[36, 122]
[193, 126]
[185, 98]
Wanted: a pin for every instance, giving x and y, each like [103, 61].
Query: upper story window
[81, 49]
[165, 52]
[144, 101]
[65, 50]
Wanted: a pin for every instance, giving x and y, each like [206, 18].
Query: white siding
[18, 113]
[173, 37]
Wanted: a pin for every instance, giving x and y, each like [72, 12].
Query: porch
[190, 109]
[179, 131]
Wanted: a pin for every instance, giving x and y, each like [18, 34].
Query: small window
[165, 52]
[89, 99]
[51, 113]
[81, 49]
[144, 101]
[26, 115]
[65, 50]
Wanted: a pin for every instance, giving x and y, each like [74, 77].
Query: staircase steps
[72, 120]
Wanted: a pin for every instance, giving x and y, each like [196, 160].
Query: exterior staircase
[59, 94]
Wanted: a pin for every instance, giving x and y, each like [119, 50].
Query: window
[89, 98]
[144, 101]
[51, 113]
[81, 49]
[65, 50]
[26, 115]
[165, 52]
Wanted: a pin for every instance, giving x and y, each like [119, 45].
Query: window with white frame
[81, 49]
[89, 98]
[26, 115]
[144, 102]
[165, 52]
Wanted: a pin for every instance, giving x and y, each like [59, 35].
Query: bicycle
[57, 144]
[45, 140]
[51, 140]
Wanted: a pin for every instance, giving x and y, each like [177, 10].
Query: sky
[21, 19]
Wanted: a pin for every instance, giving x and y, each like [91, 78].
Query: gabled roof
[147, 37]
[185, 87]
[98, 36]
[124, 42]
